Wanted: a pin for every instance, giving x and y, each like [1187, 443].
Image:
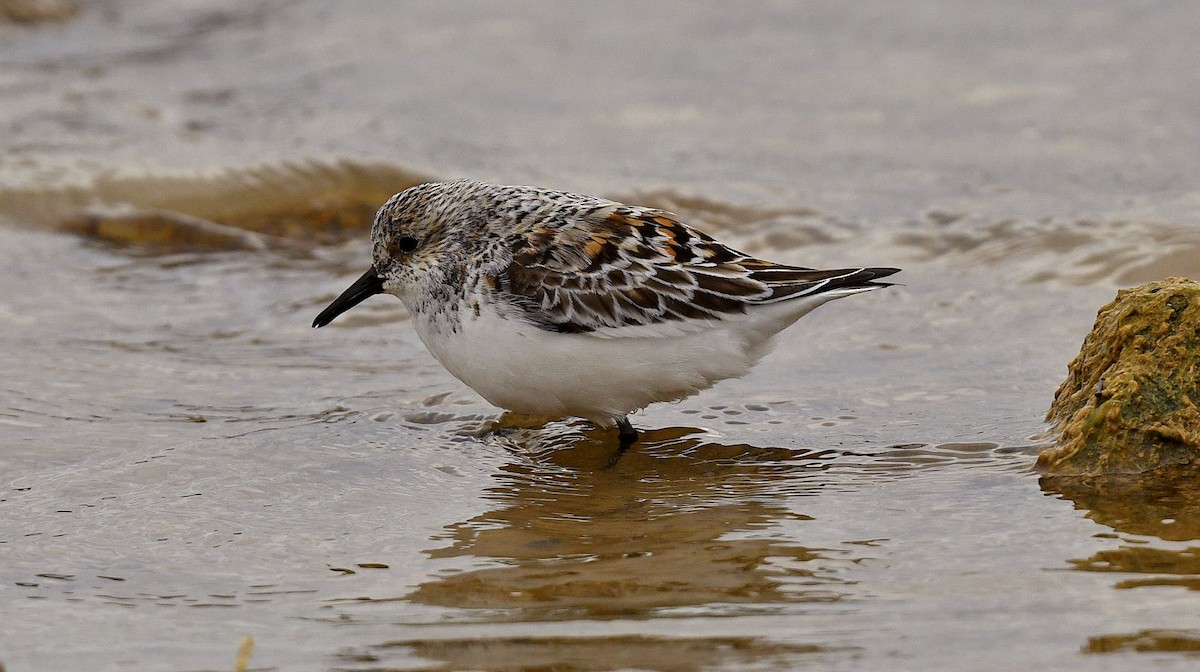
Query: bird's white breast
[520, 367]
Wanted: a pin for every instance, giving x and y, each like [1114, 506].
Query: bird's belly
[519, 367]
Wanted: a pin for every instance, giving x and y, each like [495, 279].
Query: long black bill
[364, 288]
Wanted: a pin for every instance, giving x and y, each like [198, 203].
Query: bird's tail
[787, 282]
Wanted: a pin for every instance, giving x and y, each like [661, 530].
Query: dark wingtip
[365, 287]
[881, 272]
[870, 275]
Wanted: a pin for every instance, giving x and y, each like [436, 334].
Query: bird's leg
[626, 434]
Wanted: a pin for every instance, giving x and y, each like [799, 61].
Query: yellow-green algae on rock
[1129, 403]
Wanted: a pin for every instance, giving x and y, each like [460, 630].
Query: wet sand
[184, 462]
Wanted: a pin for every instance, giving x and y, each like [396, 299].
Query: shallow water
[184, 462]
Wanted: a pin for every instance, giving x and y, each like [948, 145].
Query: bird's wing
[617, 267]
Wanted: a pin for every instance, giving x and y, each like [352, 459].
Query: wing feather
[621, 266]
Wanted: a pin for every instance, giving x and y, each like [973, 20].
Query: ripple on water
[583, 653]
[683, 523]
[1154, 515]
[295, 209]
[1147, 641]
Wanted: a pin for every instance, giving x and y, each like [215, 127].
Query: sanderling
[553, 304]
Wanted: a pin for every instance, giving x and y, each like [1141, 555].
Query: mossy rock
[1129, 403]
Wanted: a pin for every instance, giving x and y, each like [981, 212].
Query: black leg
[627, 434]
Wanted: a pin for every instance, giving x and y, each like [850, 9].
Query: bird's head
[411, 234]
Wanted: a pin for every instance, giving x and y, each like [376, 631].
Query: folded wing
[617, 267]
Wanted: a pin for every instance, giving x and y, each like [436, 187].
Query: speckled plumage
[553, 304]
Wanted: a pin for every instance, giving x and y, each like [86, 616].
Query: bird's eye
[407, 243]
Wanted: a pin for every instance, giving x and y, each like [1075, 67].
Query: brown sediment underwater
[1129, 403]
[289, 206]
[589, 652]
[292, 207]
[37, 11]
[1146, 641]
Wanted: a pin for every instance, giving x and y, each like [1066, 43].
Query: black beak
[364, 288]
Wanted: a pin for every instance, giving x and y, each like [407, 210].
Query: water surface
[184, 462]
